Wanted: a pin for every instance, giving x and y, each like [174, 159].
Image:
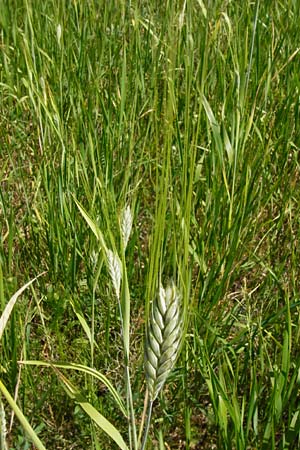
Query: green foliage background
[189, 112]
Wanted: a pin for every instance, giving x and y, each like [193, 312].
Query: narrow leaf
[93, 226]
[83, 322]
[103, 423]
[81, 368]
[9, 307]
[100, 420]
[24, 422]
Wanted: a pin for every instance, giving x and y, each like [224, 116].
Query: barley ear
[3, 429]
[115, 271]
[163, 338]
[126, 225]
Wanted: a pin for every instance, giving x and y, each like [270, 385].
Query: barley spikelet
[115, 271]
[3, 429]
[126, 225]
[163, 338]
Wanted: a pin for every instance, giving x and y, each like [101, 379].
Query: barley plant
[149, 169]
[163, 338]
[164, 334]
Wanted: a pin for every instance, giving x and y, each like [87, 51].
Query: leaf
[82, 321]
[93, 226]
[214, 125]
[81, 368]
[103, 423]
[9, 307]
[100, 420]
[24, 422]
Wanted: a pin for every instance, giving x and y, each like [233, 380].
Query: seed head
[163, 338]
[126, 225]
[115, 271]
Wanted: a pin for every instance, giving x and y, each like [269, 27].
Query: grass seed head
[164, 332]
[126, 225]
[115, 271]
[3, 429]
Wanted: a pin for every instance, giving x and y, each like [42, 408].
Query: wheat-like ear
[126, 225]
[3, 430]
[164, 332]
[115, 271]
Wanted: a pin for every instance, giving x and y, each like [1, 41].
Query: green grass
[188, 111]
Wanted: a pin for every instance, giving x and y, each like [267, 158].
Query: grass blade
[89, 371]
[100, 420]
[9, 307]
[24, 422]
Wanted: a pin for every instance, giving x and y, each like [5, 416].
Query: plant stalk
[146, 432]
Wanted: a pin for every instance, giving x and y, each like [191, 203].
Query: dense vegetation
[187, 112]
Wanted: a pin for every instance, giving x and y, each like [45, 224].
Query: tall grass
[188, 112]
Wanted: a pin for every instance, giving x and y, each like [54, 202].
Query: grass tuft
[139, 142]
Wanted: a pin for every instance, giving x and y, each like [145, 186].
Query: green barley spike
[163, 338]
